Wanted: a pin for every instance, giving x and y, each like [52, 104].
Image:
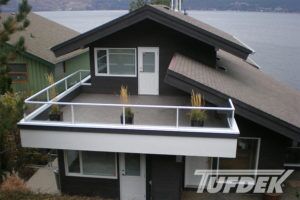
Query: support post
[72, 114]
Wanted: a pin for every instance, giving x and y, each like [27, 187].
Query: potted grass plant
[197, 116]
[55, 114]
[124, 97]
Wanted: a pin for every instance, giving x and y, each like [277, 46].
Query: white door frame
[148, 78]
[132, 187]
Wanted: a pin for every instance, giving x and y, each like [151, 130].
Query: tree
[9, 26]
[135, 4]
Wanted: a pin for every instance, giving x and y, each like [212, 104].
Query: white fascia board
[130, 143]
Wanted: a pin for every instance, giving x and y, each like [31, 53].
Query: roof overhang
[149, 12]
[247, 111]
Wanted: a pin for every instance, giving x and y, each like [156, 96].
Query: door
[148, 67]
[132, 177]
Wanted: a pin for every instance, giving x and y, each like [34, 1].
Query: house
[161, 55]
[29, 68]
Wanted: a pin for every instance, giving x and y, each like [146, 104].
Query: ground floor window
[292, 157]
[91, 164]
[247, 155]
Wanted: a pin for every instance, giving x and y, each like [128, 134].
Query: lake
[274, 36]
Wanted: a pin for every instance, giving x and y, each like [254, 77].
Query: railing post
[48, 98]
[80, 76]
[72, 114]
[66, 84]
[232, 117]
[124, 123]
[177, 117]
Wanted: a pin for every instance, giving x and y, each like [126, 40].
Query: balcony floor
[142, 116]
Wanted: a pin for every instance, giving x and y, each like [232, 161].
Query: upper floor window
[18, 72]
[115, 62]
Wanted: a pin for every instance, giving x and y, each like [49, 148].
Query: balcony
[164, 116]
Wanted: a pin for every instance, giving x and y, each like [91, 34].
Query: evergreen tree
[9, 26]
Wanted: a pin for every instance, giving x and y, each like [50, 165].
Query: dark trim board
[149, 12]
[128, 131]
[247, 111]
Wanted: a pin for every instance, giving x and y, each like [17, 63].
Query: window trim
[291, 164]
[256, 158]
[107, 61]
[20, 73]
[80, 174]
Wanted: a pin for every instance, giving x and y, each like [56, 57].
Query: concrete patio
[43, 181]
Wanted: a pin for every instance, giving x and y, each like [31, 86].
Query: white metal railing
[45, 104]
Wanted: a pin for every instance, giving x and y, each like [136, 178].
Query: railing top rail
[54, 84]
[131, 105]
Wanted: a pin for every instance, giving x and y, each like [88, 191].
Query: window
[18, 72]
[91, 164]
[246, 156]
[132, 165]
[115, 62]
[292, 157]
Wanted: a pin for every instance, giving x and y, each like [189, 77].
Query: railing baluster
[80, 76]
[72, 114]
[177, 117]
[66, 84]
[124, 123]
[48, 98]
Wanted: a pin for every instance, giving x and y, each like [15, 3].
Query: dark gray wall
[273, 145]
[150, 34]
[106, 188]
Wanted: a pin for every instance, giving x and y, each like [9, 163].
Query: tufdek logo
[242, 181]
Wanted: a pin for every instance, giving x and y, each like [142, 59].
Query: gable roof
[256, 95]
[41, 35]
[174, 20]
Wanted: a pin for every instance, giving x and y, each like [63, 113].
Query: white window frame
[107, 61]
[80, 174]
[287, 164]
[256, 159]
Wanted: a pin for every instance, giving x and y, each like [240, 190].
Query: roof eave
[264, 119]
[152, 13]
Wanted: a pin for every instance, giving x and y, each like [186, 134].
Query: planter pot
[128, 120]
[196, 123]
[271, 196]
[56, 116]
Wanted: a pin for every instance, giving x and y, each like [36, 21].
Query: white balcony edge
[28, 120]
[233, 130]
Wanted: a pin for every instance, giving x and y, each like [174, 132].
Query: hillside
[243, 5]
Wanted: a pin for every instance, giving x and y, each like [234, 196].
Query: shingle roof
[175, 20]
[201, 25]
[41, 35]
[243, 83]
